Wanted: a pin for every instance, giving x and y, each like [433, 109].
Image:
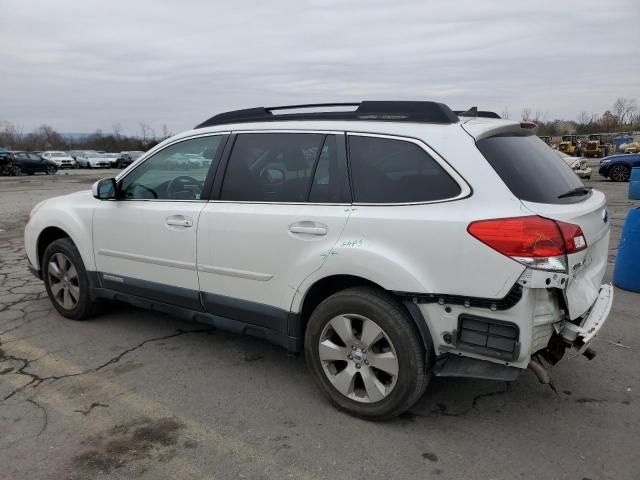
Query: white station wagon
[389, 241]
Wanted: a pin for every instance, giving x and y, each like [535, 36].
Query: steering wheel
[181, 182]
[133, 186]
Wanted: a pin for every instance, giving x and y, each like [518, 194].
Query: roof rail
[402, 111]
[474, 112]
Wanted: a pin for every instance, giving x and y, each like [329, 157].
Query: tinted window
[177, 172]
[279, 167]
[531, 170]
[395, 171]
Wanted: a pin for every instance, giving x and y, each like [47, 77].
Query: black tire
[17, 170]
[85, 307]
[620, 173]
[51, 170]
[413, 361]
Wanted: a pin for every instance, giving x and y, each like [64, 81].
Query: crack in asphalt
[91, 407]
[441, 408]
[45, 421]
[37, 380]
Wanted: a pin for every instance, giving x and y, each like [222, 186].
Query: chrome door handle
[309, 228]
[178, 221]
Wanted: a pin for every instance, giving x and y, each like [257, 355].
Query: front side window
[177, 172]
[284, 167]
[386, 170]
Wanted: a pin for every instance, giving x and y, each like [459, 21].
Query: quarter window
[177, 172]
[284, 167]
[387, 170]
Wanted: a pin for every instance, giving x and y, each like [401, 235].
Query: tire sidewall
[620, 167]
[84, 306]
[405, 348]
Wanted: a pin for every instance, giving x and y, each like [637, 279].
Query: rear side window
[386, 170]
[285, 167]
[531, 170]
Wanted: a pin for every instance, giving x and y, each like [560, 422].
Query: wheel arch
[46, 238]
[327, 286]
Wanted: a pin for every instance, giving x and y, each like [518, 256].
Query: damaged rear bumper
[579, 336]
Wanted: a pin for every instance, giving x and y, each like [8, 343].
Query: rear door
[546, 186]
[280, 209]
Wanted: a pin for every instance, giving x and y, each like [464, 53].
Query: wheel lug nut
[349, 357]
[353, 347]
[366, 362]
[357, 365]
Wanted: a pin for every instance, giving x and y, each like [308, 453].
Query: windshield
[58, 154]
[530, 169]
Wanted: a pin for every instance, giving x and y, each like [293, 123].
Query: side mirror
[104, 189]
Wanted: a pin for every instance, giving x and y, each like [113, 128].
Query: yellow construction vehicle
[569, 145]
[632, 148]
[595, 147]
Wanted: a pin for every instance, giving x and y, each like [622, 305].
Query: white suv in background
[390, 242]
[61, 159]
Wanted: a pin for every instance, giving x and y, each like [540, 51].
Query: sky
[85, 65]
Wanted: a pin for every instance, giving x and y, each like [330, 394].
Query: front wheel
[66, 280]
[365, 354]
[620, 173]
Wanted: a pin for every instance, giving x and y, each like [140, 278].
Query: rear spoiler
[479, 128]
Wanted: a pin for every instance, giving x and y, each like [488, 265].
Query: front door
[145, 242]
[283, 204]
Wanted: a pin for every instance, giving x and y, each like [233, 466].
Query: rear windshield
[531, 169]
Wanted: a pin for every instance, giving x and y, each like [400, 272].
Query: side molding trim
[145, 259]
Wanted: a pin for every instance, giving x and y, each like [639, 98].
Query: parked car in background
[127, 158]
[30, 163]
[61, 159]
[579, 165]
[92, 159]
[618, 167]
[112, 157]
[6, 162]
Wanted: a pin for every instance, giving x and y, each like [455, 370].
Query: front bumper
[583, 173]
[604, 170]
[580, 336]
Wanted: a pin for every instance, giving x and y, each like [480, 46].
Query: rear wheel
[365, 353]
[17, 170]
[66, 280]
[620, 173]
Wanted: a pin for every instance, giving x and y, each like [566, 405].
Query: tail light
[534, 241]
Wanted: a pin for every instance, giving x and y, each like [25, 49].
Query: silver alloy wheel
[620, 173]
[63, 281]
[358, 358]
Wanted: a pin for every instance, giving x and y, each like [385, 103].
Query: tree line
[624, 116]
[45, 137]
